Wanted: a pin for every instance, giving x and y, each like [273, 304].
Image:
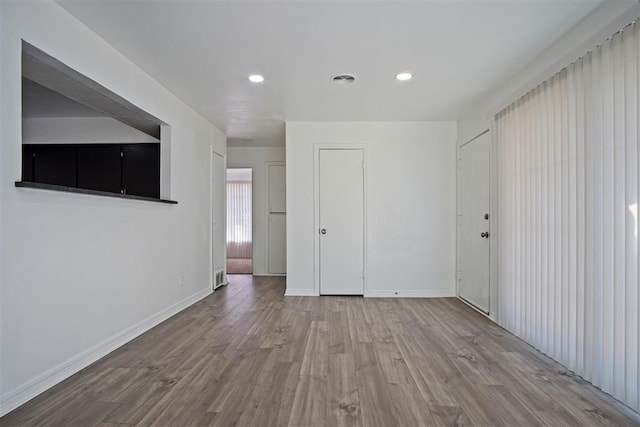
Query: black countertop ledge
[65, 189]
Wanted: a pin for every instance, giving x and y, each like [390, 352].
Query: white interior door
[277, 217]
[473, 221]
[218, 220]
[277, 243]
[277, 178]
[341, 221]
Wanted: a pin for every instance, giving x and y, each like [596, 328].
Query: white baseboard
[411, 294]
[300, 293]
[46, 380]
[380, 294]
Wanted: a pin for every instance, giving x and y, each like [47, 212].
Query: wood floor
[246, 355]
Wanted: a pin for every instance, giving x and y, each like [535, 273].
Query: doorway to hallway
[239, 221]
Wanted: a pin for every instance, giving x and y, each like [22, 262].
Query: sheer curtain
[568, 186]
[239, 243]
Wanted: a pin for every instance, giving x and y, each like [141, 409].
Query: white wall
[410, 208]
[79, 274]
[80, 130]
[257, 158]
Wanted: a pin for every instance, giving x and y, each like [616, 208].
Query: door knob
[323, 231]
[484, 234]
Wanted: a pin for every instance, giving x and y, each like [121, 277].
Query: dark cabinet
[99, 167]
[55, 164]
[115, 168]
[141, 169]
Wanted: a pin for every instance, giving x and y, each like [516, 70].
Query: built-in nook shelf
[65, 189]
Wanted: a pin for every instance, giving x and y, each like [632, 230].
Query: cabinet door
[27, 163]
[141, 169]
[277, 188]
[277, 243]
[55, 164]
[99, 167]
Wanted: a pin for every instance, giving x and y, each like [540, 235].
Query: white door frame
[224, 220]
[493, 225]
[493, 288]
[316, 209]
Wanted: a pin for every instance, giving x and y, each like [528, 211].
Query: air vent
[218, 279]
[344, 78]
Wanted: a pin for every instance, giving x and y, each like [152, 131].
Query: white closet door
[341, 217]
[277, 243]
[277, 219]
[277, 188]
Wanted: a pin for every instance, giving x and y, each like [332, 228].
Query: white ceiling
[203, 52]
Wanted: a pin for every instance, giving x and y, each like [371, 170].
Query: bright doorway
[239, 221]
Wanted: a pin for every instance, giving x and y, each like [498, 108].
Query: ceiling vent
[344, 78]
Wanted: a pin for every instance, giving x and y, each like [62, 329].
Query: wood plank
[343, 398]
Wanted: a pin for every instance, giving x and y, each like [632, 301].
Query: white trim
[300, 293]
[224, 220]
[165, 162]
[57, 374]
[212, 280]
[493, 224]
[445, 293]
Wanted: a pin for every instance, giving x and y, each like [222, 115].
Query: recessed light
[404, 76]
[256, 78]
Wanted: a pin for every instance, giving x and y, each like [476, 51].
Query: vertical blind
[239, 243]
[567, 160]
